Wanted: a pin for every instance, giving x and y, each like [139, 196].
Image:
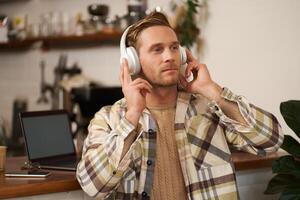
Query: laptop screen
[47, 134]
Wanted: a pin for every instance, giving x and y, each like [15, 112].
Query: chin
[163, 81]
[168, 83]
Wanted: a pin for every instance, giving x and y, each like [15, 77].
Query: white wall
[252, 47]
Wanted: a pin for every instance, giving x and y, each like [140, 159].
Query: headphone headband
[123, 42]
[130, 54]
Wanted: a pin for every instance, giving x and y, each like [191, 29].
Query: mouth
[170, 70]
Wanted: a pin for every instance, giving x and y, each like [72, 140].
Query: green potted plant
[287, 168]
[187, 18]
[186, 26]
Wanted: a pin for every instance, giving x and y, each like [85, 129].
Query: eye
[157, 49]
[175, 47]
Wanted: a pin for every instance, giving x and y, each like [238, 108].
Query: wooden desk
[58, 181]
[63, 181]
[247, 161]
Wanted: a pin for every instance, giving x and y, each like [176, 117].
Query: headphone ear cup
[133, 61]
[183, 57]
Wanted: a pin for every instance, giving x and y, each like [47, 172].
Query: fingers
[192, 66]
[192, 63]
[185, 84]
[137, 84]
[189, 55]
[129, 85]
[121, 74]
[141, 85]
[143, 88]
[140, 80]
[124, 77]
[183, 81]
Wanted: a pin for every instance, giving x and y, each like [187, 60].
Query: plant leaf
[292, 193]
[290, 111]
[286, 165]
[291, 146]
[188, 30]
[280, 182]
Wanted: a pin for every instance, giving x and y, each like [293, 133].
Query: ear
[134, 62]
[183, 56]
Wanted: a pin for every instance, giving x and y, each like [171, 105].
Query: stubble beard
[161, 83]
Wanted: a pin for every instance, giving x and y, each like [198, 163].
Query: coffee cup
[2, 157]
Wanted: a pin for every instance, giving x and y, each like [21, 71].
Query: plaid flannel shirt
[203, 133]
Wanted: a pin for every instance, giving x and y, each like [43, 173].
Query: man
[162, 143]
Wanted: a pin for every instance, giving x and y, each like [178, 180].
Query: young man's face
[158, 49]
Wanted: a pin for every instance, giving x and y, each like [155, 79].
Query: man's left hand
[202, 83]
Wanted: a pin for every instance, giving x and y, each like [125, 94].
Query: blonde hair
[153, 19]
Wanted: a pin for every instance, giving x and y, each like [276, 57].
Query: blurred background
[65, 53]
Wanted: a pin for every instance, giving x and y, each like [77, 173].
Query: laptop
[48, 139]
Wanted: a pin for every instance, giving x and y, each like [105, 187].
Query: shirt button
[114, 172]
[151, 131]
[149, 162]
[144, 194]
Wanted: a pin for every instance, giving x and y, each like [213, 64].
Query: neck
[161, 96]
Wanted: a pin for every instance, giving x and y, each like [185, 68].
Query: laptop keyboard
[63, 163]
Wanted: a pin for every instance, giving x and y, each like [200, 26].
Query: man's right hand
[134, 92]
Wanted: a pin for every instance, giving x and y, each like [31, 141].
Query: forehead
[156, 34]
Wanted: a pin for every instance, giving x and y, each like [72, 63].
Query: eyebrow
[161, 44]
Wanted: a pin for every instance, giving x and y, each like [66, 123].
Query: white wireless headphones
[132, 57]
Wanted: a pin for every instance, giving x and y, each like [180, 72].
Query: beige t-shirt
[168, 183]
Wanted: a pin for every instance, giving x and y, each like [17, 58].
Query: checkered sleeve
[261, 135]
[101, 167]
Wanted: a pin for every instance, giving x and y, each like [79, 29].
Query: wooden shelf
[72, 41]
[17, 45]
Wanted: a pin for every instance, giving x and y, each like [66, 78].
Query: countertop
[62, 181]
